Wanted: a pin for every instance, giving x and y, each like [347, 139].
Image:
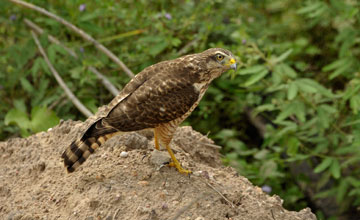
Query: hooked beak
[232, 63]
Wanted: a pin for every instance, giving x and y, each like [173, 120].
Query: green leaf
[15, 116]
[353, 181]
[309, 8]
[292, 91]
[292, 146]
[335, 169]
[76, 72]
[305, 86]
[60, 49]
[36, 66]
[90, 16]
[20, 119]
[342, 189]
[266, 107]
[26, 85]
[256, 77]
[293, 108]
[225, 133]
[283, 56]
[252, 70]
[261, 155]
[311, 86]
[45, 67]
[288, 70]
[323, 165]
[284, 70]
[300, 111]
[51, 52]
[175, 42]
[335, 65]
[355, 103]
[338, 66]
[323, 117]
[269, 169]
[158, 48]
[341, 70]
[19, 104]
[42, 119]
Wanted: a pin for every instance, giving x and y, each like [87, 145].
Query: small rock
[159, 158]
[132, 141]
[197, 173]
[124, 154]
[164, 206]
[117, 198]
[200, 218]
[143, 183]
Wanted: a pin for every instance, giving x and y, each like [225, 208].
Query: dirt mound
[124, 180]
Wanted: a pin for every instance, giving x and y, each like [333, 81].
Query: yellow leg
[175, 162]
[157, 146]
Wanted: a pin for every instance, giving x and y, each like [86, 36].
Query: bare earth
[112, 185]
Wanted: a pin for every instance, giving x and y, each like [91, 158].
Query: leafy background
[288, 118]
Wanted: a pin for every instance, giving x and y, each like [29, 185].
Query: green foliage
[294, 102]
[41, 119]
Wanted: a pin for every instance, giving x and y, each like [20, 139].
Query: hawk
[160, 97]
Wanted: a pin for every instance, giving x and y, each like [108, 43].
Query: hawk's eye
[219, 57]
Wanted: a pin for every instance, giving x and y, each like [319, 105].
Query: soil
[125, 179]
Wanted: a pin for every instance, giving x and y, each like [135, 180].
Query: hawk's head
[215, 61]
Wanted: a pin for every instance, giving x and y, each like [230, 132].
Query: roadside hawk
[160, 97]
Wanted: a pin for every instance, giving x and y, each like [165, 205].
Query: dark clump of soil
[124, 179]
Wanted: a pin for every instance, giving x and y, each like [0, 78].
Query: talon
[179, 168]
[175, 162]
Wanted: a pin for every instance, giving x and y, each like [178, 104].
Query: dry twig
[209, 145]
[84, 35]
[187, 47]
[116, 213]
[108, 85]
[66, 89]
[52, 39]
[228, 201]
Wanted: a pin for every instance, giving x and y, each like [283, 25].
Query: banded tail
[80, 150]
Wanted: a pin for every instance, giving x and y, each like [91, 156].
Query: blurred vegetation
[288, 119]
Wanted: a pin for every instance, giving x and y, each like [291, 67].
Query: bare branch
[186, 48]
[105, 81]
[209, 145]
[67, 91]
[84, 35]
[108, 85]
[212, 187]
[52, 39]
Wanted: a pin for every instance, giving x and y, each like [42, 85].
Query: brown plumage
[159, 97]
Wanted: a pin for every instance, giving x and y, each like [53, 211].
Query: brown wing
[159, 100]
[158, 94]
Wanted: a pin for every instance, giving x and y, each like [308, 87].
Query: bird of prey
[160, 97]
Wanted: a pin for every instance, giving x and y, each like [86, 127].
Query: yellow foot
[179, 168]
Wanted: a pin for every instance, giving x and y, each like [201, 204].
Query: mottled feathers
[163, 94]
